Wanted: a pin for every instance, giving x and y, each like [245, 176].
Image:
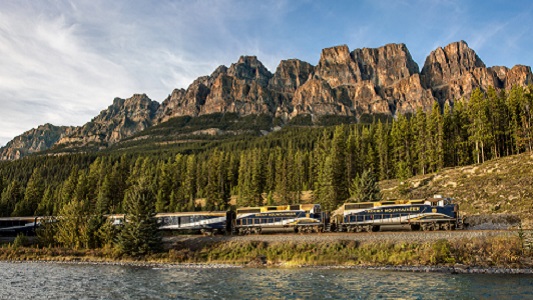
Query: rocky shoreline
[456, 269]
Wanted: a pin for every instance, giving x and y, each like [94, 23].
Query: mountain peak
[383, 80]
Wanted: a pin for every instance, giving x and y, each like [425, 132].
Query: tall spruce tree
[325, 193]
[72, 229]
[365, 188]
[140, 235]
[32, 195]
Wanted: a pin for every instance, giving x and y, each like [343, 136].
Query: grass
[503, 252]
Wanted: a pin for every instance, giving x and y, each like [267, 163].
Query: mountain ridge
[384, 80]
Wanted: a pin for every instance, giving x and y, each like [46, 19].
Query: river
[86, 281]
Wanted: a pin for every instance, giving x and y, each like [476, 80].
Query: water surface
[71, 281]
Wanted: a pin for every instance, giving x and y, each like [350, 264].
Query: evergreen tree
[479, 126]
[421, 146]
[383, 152]
[324, 192]
[189, 184]
[338, 155]
[105, 197]
[139, 236]
[32, 195]
[353, 153]
[11, 195]
[46, 206]
[365, 188]
[435, 131]
[72, 230]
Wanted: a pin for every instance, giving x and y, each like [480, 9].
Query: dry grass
[503, 185]
[502, 252]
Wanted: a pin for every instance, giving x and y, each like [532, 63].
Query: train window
[358, 206]
[294, 207]
[248, 211]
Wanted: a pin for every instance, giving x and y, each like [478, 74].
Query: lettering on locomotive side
[395, 210]
[278, 214]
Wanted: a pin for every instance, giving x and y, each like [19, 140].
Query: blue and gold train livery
[215, 221]
[435, 213]
[199, 221]
[299, 217]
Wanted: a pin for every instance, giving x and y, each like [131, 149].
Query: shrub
[20, 241]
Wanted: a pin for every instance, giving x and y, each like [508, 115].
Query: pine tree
[353, 154]
[72, 230]
[189, 184]
[383, 152]
[32, 195]
[435, 131]
[338, 157]
[421, 146]
[324, 192]
[140, 235]
[105, 197]
[479, 123]
[365, 188]
[11, 195]
[46, 206]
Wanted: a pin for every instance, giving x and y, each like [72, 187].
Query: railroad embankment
[455, 251]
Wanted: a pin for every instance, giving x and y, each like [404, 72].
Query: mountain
[455, 70]
[367, 81]
[122, 119]
[34, 140]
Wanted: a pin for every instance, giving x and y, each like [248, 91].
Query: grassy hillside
[503, 185]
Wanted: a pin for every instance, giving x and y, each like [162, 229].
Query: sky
[62, 62]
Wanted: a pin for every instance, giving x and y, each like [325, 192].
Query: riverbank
[457, 269]
[494, 254]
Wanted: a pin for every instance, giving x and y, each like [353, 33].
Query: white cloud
[62, 61]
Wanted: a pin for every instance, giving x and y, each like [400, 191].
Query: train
[436, 213]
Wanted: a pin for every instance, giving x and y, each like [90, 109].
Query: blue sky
[62, 62]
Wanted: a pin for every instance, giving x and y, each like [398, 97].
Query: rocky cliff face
[382, 80]
[123, 118]
[455, 71]
[34, 140]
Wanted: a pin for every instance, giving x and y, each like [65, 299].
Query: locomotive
[435, 213]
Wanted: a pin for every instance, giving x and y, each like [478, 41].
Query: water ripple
[64, 281]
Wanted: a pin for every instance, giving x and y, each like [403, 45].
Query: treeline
[277, 168]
